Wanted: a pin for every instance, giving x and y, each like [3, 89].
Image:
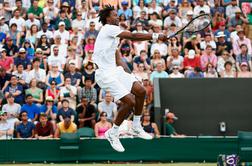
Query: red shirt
[6, 63]
[44, 131]
[192, 62]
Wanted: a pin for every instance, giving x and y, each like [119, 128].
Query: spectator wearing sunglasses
[175, 73]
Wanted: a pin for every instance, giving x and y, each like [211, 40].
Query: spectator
[210, 71]
[141, 73]
[173, 43]
[26, 128]
[73, 75]
[90, 44]
[160, 46]
[232, 8]
[6, 62]
[172, 18]
[208, 56]
[108, 106]
[102, 126]
[5, 79]
[50, 10]
[6, 129]
[159, 73]
[43, 47]
[202, 6]
[141, 19]
[190, 62]
[76, 44]
[14, 34]
[138, 8]
[241, 40]
[207, 41]
[10, 47]
[175, 73]
[222, 44]
[36, 73]
[125, 10]
[148, 126]
[91, 31]
[244, 71]
[21, 75]
[31, 34]
[19, 21]
[174, 59]
[228, 72]
[29, 48]
[65, 111]
[225, 57]
[14, 89]
[156, 58]
[36, 10]
[192, 44]
[45, 31]
[217, 8]
[3, 26]
[50, 110]
[21, 58]
[73, 58]
[53, 91]
[65, 126]
[30, 108]
[155, 20]
[142, 58]
[89, 92]
[86, 114]
[56, 59]
[78, 22]
[69, 92]
[32, 21]
[238, 19]
[55, 75]
[44, 128]
[196, 73]
[36, 92]
[63, 33]
[170, 130]
[244, 56]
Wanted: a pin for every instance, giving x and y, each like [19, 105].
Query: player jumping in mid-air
[113, 74]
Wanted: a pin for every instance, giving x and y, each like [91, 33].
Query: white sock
[136, 121]
[115, 128]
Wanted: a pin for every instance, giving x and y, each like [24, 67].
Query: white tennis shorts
[117, 81]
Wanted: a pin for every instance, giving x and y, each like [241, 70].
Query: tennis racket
[197, 24]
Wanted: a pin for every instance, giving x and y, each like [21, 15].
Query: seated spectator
[244, 56]
[228, 71]
[91, 31]
[237, 19]
[60, 49]
[148, 126]
[12, 109]
[175, 73]
[141, 73]
[6, 62]
[190, 62]
[159, 46]
[89, 46]
[37, 93]
[208, 56]
[108, 106]
[217, 8]
[172, 18]
[31, 34]
[26, 128]
[142, 58]
[89, 92]
[6, 128]
[201, 6]
[14, 89]
[148, 101]
[196, 73]
[73, 58]
[159, 73]
[41, 58]
[142, 19]
[43, 46]
[170, 130]
[21, 58]
[207, 41]
[89, 73]
[55, 75]
[155, 19]
[44, 128]
[65, 111]
[73, 75]
[125, 10]
[86, 114]
[210, 71]
[102, 126]
[222, 44]
[69, 92]
[192, 44]
[18, 20]
[36, 10]
[78, 22]
[225, 57]
[50, 11]
[138, 7]
[10, 47]
[244, 71]
[231, 8]
[31, 108]
[65, 126]
[36, 73]
[156, 58]
[56, 59]
[173, 43]
[45, 31]
[53, 92]
[174, 59]
[222, 28]
[76, 43]
[21, 75]
[217, 20]
[242, 39]
[4, 79]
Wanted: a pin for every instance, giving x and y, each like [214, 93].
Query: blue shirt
[43, 109]
[25, 131]
[25, 61]
[32, 110]
[67, 113]
[128, 13]
[18, 99]
[156, 74]
[194, 75]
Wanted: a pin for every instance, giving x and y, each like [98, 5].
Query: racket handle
[171, 36]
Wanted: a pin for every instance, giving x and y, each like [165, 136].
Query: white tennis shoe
[114, 141]
[139, 132]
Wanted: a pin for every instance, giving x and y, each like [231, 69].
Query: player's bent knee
[129, 100]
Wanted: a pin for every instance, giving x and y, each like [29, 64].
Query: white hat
[189, 12]
[62, 23]
[21, 50]
[49, 98]
[191, 54]
[220, 34]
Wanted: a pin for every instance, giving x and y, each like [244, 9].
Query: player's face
[114, 19]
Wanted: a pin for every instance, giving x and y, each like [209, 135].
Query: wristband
[155, 37]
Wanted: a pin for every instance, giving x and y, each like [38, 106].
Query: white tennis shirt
[105, 47]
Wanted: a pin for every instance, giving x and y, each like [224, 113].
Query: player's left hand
[163, 37]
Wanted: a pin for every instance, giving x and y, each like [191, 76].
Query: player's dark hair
[104, 13]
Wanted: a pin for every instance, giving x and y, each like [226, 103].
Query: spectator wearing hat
[228, 71]
[208, 40]
[37, 73]
[4, 79]
[175, 73]
[21, 58]
[125, 10]
[244, 56]
[65, 111]
[56, 59]
[12, 109]
[19, 21]
[10, 47]
[172, 18]
[64, 34]
[189, 17]
[222, 44]
[29, 48]
[14, 89]
[158, 73]
[238, 19]
[67, 6]
[232, 8]
[222, 28]
[86, 114]
[21, 75]
[208, 56]
[191, 60]
[26, 128]
[4, 28]
[225, 57]
[36, 10]
[169, 128]
[201, 6]
[69, 92]
[6, 62]
[31, 108]
[244, 71]
[174, 59]
[91, 31]
[6, 129]
[44, 128]
[65, 126]
[45, 31]
[242, 39]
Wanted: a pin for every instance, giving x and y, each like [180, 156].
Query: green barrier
[95, 150]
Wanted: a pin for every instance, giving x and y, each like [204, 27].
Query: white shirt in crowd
[62, 49]
[109, 108]
[199, 8]
[78, 23]
[64, 90]
[59, 60]
[48, 34]
[4, 28]
[168, 21]
[65, 36]
[203, 44]
[40, 75]
[161, 47]
[177, 75]
[29, 23]
[20, 23]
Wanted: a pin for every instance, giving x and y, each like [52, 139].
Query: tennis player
[114, 75]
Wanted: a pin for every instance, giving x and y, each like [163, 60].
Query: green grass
[157, 164]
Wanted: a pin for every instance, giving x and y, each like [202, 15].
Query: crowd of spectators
[47, 77]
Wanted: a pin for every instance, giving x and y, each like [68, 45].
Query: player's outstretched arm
[141, 36]
[120, 62]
